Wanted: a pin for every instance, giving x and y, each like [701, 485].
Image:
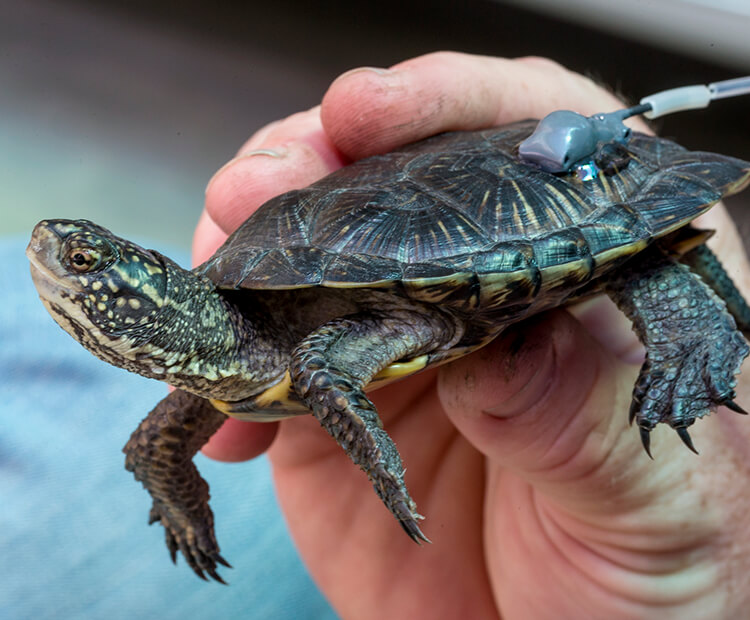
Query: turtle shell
[459, 216]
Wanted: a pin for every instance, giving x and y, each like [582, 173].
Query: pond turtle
[390, 265]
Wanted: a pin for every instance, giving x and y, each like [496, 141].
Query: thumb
[547, 401]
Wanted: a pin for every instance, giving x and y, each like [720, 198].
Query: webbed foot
[679, 384]
[196, 541]
[693, 346]
[160, 453]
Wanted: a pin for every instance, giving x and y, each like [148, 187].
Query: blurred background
[120, 111]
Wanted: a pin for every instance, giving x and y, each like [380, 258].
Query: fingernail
[375, 70]
[278, 152]
[530, 363]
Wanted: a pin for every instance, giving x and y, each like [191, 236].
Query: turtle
[390, 265]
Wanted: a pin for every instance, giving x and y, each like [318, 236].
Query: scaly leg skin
[330, 368]
[160, 455]
[704, 262]
[693, 347]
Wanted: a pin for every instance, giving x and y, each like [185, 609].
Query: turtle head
[106, 292]
[91, 280]
[139, 310]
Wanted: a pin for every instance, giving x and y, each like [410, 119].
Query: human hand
[539, 499]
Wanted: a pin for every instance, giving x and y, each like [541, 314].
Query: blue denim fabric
[73, 536]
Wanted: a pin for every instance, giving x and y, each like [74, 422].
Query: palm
[499, 529]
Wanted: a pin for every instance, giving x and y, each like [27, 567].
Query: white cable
[677, 99]
[693, 97]
[730, 88]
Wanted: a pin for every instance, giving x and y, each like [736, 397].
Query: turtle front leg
[160, 455]
[330, 369]
[693, 347]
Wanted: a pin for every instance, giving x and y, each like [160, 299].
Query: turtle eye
[82, 260]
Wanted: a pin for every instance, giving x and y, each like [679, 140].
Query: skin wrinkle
[417, 80]
[563, 435]
[545, 525]
[460, 109]
[319, 142]
[531, 411]
[549, 362]
[737, 565]
[608, 422]
[620, 526]
[671, 560]
[577, 452]
[522, 531]
[638, 528]
[540, 405]
[595, 576]
[627, 521]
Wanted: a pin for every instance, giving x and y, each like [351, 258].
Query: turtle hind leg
[693, 347]
[160, 453]
[330, 369]
[704, 262]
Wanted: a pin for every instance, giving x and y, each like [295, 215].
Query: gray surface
[108, 118]
[713, 30]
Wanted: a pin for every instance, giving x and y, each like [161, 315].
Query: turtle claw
[635, 405]
[646, 441]
[172, 546]
[216, 577]
[685, 436]
[730, 404]
[412, 529]
[196, 544]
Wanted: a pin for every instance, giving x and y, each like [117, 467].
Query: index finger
[368, 111]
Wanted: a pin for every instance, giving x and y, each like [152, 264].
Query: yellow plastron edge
[279, 393]
[397, 370]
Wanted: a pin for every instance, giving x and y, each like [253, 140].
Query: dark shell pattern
[461, 209]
